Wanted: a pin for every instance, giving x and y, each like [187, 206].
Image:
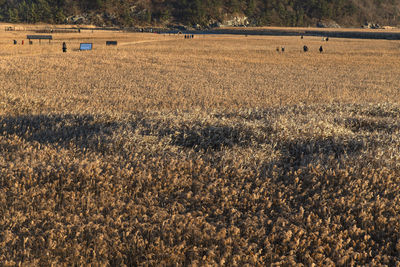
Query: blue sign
[86, 46]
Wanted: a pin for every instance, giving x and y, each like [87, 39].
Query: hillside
[202, 13]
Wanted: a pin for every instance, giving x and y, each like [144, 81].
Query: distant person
[327, 39]
[283, 49]
[302, 37]
[64, 47]
[192, 36]
[305, 48]
[15, 42]
[277, 49]
[22, 42]
[321, 49]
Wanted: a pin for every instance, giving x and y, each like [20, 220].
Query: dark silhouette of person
[283, 49]
[302, 37]
[321, 49]
[327, 39]
[15, 42]
[305, 48]
[64, 47]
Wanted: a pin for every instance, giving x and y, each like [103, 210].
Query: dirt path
[146, 41]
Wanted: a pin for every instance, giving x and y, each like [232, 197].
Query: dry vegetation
[211, 151]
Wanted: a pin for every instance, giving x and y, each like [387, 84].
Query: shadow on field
[378, 111]
[88, 132]
[83, 131]
[300, 153]
[215, 137]
[370, 125]
[310, 162]
[210, 137]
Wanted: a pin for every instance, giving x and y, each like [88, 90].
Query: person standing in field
[64, 47]
[321, 49]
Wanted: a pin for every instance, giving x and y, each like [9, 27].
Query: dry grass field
[214, 151]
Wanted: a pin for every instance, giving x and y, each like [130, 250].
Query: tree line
[200, 12]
